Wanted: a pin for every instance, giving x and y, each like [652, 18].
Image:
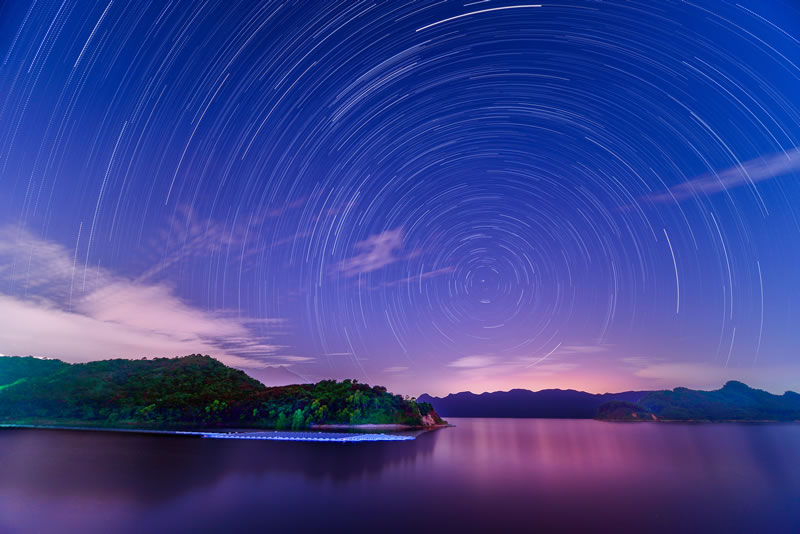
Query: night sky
[435, 196]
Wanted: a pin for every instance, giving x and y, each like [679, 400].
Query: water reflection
[69, 463]
[484, 475]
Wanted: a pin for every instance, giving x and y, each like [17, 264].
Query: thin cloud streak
[421, 276]
[378, 251]
[750, 172]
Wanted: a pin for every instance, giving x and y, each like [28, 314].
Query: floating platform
[275, 435]
[303, 436]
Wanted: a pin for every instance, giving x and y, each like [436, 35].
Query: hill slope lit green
[188, 392]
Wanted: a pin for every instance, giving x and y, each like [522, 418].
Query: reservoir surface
[483, 475]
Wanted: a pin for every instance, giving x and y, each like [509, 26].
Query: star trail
[436, 196]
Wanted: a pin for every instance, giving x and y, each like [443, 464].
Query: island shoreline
[309, 435]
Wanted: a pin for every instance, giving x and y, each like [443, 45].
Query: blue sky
[435, 196]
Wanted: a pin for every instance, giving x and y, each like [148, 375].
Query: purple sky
[433, 196]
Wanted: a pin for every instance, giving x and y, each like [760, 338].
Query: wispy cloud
[470, 362]
[295, 359]
[748, 172]
[190, 236]
[378, 251]
[582, 349]
[29, 265]
[478, 368]
[559, 359]
[35, 327]
[52, 306]
[415, 279]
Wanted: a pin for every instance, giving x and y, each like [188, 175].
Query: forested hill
[187, 392]
[13, 369]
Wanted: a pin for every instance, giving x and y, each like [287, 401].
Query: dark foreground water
[485, 475]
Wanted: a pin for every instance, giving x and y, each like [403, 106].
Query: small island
[191, 393]
[734, 402]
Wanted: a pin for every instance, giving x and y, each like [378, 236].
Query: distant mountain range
[735, 401]
[522, 403]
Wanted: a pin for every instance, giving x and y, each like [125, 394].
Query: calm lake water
[484, 475]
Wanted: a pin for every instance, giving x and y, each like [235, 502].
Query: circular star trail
[398, 190]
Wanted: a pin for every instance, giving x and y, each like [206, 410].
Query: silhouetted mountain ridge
[735, 401]
[523, 403]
